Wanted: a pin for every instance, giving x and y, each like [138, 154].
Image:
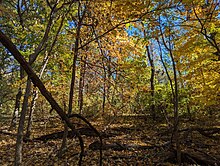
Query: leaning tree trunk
[38, 83]
[33, 102]
[30, 118]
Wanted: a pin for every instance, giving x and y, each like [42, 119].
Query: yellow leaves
[2, 10]
[205, 83]
[213, 28]
[127, 9]
[198, 10]
[5, 11]
[194, 57]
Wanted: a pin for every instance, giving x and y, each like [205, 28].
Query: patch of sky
[72, 24]
[133, 31]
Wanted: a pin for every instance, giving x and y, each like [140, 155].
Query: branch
[123, 23]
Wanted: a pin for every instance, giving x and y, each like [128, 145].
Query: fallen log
[189, 156]
[83, 131]
[119, 147]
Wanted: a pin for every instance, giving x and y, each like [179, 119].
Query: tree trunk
[16, 109]
[18, 150]
[104, 91]
[34, 99]
[30, 118]
[151, 61]
[81, 83]
[152, 106]
[175, 134]
[104, 56]
[17, 103]
[72, 85]
[176, 112]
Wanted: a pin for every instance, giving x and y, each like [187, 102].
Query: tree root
[207, 132]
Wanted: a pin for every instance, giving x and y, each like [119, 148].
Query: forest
[112, 82]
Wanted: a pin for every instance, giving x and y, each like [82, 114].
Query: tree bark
[17, 103]
[18, 150]
[34, 99]
[30, 118]
[16, 109]
[81, 84]
[152, 106]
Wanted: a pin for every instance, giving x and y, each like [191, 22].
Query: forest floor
[127, 140]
